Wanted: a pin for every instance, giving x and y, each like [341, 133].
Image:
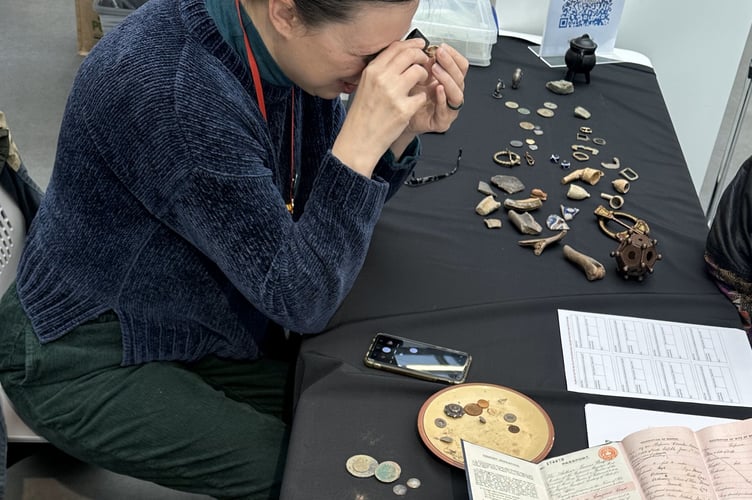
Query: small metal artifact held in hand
[636, 254]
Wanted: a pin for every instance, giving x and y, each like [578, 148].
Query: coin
[413, 483]
[515, 143]
[440, 423]
[545, 112]
[473, 409]
[523, 111]
[533, 147]
[510, 417]
[527, 125]
[361, 465]
[514, 429]
[483, 403]
[538, 131]
[388, 471]
[528, 141]
[550, 105]
[511, 105]
[453, 410]
[400, 490]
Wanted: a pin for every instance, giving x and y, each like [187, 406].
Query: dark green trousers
[214, 427]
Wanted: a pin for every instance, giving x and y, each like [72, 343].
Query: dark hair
[314, 13]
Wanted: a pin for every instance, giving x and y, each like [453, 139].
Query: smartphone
[417, 359]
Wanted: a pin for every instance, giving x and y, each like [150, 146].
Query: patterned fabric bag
[728, 249]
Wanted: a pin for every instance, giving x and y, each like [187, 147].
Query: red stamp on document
[608, 453]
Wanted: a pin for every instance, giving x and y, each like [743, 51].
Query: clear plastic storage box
[467, 25]
[111, 12]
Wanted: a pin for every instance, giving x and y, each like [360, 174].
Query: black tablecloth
[436, 273]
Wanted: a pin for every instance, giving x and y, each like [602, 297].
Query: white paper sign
[568, 19]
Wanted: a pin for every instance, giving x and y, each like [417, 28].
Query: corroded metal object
[506, 158]
[525, 205]
[516, 78]
[587, 174]
[613, 165]
[540, 244]
[593, 269]
[497, 90]
[636, 254]
[614, 201]
[487, 205]
[561, 87]
[524, 222]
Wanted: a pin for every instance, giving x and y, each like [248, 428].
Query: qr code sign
[576, 13]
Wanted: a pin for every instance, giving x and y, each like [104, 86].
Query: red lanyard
[262, 105]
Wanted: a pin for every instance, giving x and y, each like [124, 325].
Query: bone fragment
[487, 205]
[525, 205]
[524, 222]
[593, 269]
[540, 244]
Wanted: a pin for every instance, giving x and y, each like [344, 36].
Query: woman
[208, 192]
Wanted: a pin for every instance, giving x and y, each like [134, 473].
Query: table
[436, 273]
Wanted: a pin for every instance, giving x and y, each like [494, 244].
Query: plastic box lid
[467, 25]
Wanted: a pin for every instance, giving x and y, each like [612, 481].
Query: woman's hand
[385, 105]
[444, 91]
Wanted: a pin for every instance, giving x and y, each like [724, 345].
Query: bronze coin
[514, 429]
[388, 472]
[545, 112]
[483, 403]
[473, 409]
[361, 465]
[527, 125]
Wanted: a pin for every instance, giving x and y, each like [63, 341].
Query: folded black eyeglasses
[414, 181]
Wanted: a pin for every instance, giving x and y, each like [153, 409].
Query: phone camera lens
[386, 349]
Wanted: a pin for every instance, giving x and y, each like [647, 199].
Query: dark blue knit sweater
[167, 200]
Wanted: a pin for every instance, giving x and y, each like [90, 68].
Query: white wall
[696, 49]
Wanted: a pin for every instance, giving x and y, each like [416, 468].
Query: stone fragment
[561, 87]
[485, 188]
[508, 183]
[581, 112]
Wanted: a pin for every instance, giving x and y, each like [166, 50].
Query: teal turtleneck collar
[225, 16]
